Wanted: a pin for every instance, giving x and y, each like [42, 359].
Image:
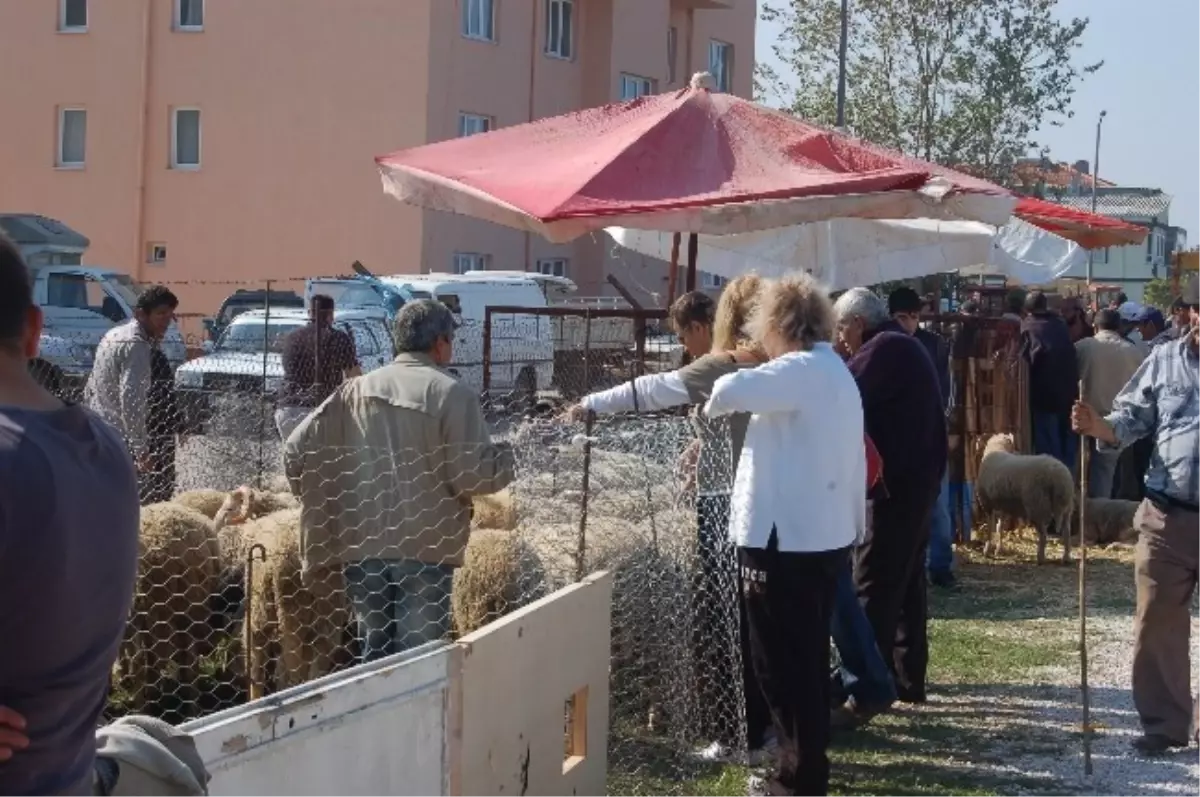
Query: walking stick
[1084, 458]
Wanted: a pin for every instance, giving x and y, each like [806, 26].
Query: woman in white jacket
[798, 505]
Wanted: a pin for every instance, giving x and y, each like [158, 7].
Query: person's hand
[12, 733]
[747, 356]
[576, 413]
[1084, 419]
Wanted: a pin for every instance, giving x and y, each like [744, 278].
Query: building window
[479, 19]
[72, 138]
[672, 52]
[553, 266]
[720, 63]
[471, 123]
[189, 15]
[1104, 255]
[185, 138]
[634, 86]
[470, 261]
[72, 16]
[560, 28]
[711, 281]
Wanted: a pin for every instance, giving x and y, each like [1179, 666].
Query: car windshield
[248, 336]
[126, 288]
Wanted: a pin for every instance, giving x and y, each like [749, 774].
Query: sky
[1150, 86]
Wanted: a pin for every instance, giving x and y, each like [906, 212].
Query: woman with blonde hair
[798, 504]
[712, 459]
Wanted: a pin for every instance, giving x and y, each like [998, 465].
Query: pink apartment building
[203, 142]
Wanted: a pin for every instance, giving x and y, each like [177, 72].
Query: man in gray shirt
[68, 559]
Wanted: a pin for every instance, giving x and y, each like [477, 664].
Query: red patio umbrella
[694, 161]
[1089, 230]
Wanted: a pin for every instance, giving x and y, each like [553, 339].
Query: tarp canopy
[845, 253]
[1089, 230]
[691, 161]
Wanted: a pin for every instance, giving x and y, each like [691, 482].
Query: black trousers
[721, 641]
[789, 606]
[889, 572]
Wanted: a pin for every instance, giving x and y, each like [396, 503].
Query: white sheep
[1110, 520]
[206, 502]
[1035, 488]
[178, 572]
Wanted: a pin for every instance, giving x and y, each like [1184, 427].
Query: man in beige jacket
[385, 470]
[1106, 362]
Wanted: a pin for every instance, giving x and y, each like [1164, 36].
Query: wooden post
[693, 251]
[673, 271]
[1083, 657]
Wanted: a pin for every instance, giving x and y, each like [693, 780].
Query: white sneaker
[715, 753]
[765, 754]
[756, 786]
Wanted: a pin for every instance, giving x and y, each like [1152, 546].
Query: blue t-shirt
[68, 561]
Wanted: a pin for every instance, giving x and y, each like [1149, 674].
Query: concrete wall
[485, 715]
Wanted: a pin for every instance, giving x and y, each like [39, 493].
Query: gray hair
[420, 323]
[861, 303]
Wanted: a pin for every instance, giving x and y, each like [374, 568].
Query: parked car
[242, 300]
[247, 360]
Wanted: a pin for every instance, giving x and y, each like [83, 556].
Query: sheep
[301, 618]
[178, 571]
[1109, 520]
[206, 502]
[1036, 488]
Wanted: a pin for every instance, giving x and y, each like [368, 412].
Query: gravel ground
[228, 453]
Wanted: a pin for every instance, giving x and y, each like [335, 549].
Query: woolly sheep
[1035, 488]
[1109, 520]
[299, 619]
[178, 572]
[206, 502]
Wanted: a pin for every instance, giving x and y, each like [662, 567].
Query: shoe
[766, 754]
[715, 753]
[1156, 744]
[756, 786]
[911, 696]
[850, 716]
[943, 579]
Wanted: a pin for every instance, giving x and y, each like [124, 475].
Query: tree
[1157, 292]
[966, 83]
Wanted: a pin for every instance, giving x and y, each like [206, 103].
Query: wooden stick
[1084, 459]
[673, 270]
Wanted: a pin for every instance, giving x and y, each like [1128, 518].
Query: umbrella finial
[703, 80]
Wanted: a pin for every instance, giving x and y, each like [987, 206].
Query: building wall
[295, 103]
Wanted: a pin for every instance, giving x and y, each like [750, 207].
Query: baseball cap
[1131, 312]
[1152, 315]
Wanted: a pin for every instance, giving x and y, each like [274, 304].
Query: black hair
[157, 296]
[904, 300]
[1107, 319]
[322, 303]
[693, 307]
[16, 291]
[1035, 302]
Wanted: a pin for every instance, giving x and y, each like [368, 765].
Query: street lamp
[1095, 178]
[842, 45]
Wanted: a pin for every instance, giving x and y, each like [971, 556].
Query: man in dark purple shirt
[68, 559]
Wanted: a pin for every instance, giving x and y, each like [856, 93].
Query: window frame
[544, 262]
[177, 18]
[480, 257]
[649, 83]
[464, 22]
[464, 116]
[60, 161]
[175, 164]
[63, 27]
[672, 54]
[726, 49]
[565, 41]
[712, 282]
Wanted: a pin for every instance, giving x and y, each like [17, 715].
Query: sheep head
[1005, 442]
[236, 509]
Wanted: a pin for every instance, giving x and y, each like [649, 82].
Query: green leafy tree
[1157, 292]
[965, 83]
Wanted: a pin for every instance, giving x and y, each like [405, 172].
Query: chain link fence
[250, 582]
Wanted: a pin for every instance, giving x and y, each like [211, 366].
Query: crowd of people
[835, 550]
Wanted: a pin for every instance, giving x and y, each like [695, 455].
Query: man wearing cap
[1160, 402]
[1106, 361]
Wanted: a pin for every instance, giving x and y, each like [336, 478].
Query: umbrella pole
[693, 249]
[673, 271]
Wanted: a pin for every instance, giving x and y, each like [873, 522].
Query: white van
[522, 344]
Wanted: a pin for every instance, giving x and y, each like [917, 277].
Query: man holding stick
[1160, 402]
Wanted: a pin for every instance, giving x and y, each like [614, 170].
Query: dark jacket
[939, 352]
[902, 409]
[1053, 373]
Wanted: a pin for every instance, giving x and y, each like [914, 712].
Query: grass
[993, 644]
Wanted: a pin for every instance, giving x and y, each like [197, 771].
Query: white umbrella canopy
[845, 253]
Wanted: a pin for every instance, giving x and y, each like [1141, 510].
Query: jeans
[288, 418]
[962, 497]
[1052, 435]
[864, 674]
[399, 604]
[940, 556]
[1102, 471]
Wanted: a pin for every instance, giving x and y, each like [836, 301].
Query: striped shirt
[1160, 401]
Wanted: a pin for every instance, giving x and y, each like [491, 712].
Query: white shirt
[654, 392]
[803, 469]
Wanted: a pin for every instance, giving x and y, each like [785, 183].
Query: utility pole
[1095, 178]
[842, 45]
